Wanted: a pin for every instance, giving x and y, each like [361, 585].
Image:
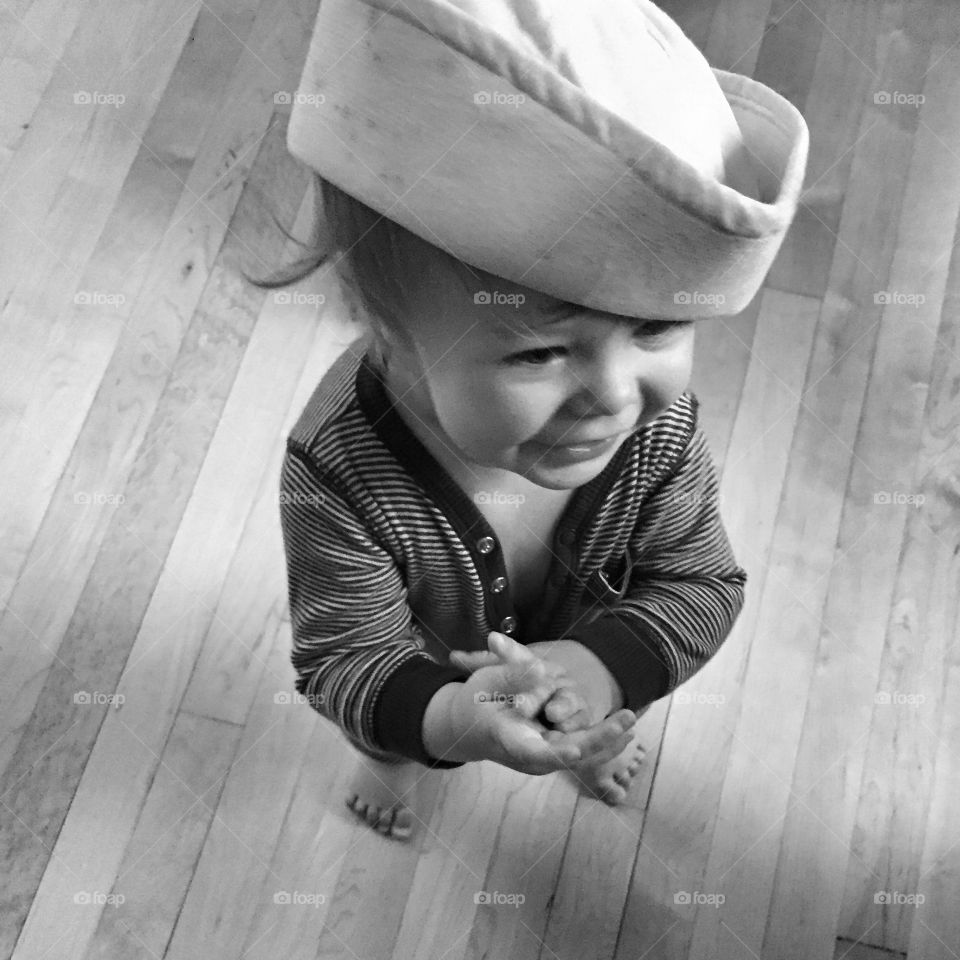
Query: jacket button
[486, 544]
[566, 536]
[508, 624]
[499, 585]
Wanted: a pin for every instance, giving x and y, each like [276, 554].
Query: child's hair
[379, 260]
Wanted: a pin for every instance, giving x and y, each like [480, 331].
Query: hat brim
[437, 123]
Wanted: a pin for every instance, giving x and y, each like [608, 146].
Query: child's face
[512, 387]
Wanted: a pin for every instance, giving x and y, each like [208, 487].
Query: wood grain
[802, 791]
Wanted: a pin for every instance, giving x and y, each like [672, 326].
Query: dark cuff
[403, 700]
[631, 653]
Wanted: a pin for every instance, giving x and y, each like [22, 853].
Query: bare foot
[377, 794]
[610, 781]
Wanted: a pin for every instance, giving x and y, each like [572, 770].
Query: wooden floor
[160, 796]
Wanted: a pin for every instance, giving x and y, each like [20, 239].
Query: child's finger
[528, 750]
[607, 738]
[563, 705]
[592, 750]
[524, 670]
[508, 650]
[581, 720]
[473, 659]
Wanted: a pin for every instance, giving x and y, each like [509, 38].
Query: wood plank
[320, 840]
[818, 828]
[62, 182]
[226, 677]
[92, 418]
[32, 42]
[12, 16]
[847, 950]
[594, 877]
[746, 854]
[343, 872]
[793, 42]
[80, 338]
[455, 863]
[229, 666]
[681, 822]
[935, 931]
[736, 34]
[381, 875]
[106, 632]
[159, 860]
[895, 794]
[695, 19]
[33, 39]
[237, 852]
[842, 84]
[721, 359]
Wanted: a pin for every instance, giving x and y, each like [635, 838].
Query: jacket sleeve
[682, 589]
[357, 654]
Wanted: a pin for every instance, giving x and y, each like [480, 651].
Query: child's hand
[566, 709]
[511, 732]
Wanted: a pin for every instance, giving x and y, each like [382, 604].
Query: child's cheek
[493, 418]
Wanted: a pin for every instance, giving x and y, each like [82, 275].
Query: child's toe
[402, 824]
[612, 793]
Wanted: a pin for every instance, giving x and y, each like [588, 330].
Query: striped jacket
[390, 564]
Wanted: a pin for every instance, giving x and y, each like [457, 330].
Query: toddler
[499, 513]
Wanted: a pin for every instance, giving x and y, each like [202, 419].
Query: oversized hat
[583, 149]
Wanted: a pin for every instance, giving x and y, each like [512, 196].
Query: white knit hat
[583, 149]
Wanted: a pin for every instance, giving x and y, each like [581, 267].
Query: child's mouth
[579, 452]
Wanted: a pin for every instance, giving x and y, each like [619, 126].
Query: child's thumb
[507, 649]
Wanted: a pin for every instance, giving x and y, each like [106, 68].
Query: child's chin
[565, 476]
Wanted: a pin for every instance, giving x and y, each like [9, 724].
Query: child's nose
[612, 383]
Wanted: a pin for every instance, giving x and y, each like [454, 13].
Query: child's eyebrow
[564, 309]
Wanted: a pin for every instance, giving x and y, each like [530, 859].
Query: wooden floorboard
[162, 794]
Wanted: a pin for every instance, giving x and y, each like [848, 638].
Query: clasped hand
[496, 714]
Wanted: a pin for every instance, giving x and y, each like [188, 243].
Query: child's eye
[659, 328]
[537, 357]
